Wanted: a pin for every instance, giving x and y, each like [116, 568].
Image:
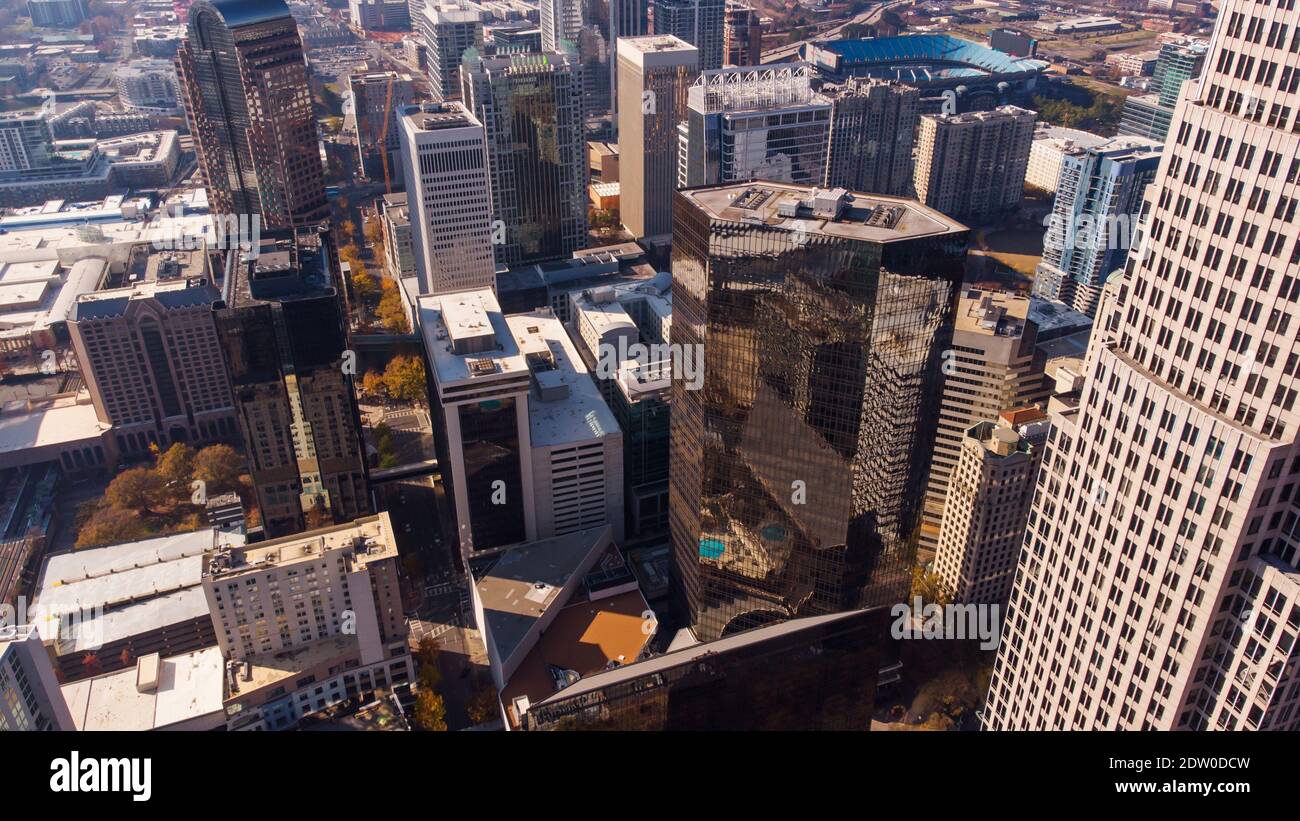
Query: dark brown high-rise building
[285, 342]
[248, 100]
[798, 463]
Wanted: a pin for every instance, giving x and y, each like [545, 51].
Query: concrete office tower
[449, 204]
[280, 595]
[560, 21]
[1094, 218]
[656, 74]
[531, 449]
[248, 102]
[754, 124]
[988, 502]
[26, 143]
[399, 248]
[1149, 115]
[972, 166]
[287, 352]
[449, 30]
[150, 86]
[639, 392]
[873, 132]
[530, 106]
[799, 466]
[1157, 587]
[377, 97]
[1001, 342]
[30, 698]
[742, 35]
[151, 360]
[702, 23]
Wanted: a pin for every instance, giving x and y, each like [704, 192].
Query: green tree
[219, 467]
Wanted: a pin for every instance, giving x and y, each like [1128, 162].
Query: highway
[871, 17]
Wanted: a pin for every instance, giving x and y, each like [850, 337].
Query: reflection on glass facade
[489, 434]
[531, 108]
[799, 469]
[813, 674]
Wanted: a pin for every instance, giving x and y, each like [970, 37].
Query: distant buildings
[972, 166]
[873, 133]
[656, 73]
[1051, 144]
[1149, 115]
[449, 30]
[799, 467]
[1094, 219]
[532, 114]
[389, 15]
[754, 123]
[149, 85]
[58, 13]
[284, 337]
[378, 97]
[248, 102]
[448, 198]
[743, 36]
[702, 23]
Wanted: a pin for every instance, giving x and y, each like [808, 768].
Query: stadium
[981, 76]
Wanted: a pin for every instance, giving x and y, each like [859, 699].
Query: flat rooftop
[270, 668]
[370, 539]
[39, 423]
[447, 318]
[799, 209]
[578, 413]
[993, 313]
[189, 687]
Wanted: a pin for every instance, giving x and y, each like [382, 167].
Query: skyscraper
[873, 132]
[561, 21]
[754, 123]
[799, 465]
[702, 23]
[449, 30]
[150, 358]
[1001, 342]
[449, 204]
[1157, 586]
[743, 36]
[657, 72]
[377, 97]
[248, 103]
[530, 106]
[1094, 217]
[1149, 115]
[30, 698]
[283, 333]
[972, 166]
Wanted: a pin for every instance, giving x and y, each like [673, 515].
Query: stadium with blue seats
[982, 77]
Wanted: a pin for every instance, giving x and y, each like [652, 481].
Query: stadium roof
[935, 54]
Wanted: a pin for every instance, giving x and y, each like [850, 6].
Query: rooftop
[467, 338]
[366, 540]
[812, 211]
[38, 423]
[932, 55]
[993, 313]
[178, 689]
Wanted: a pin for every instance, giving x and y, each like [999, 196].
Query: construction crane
[383, 135]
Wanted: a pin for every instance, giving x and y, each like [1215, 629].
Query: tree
[482, 707]
[427, 651]
[930, 587]
[374, 232]
[405, 379]
[318, 516]
[348, 230]
[363, 284]
[372, 384]
[137, 489]
[430, 712]
[111, 525]
[391, 312]
[219, 467]
[90, 663]
[176, 464]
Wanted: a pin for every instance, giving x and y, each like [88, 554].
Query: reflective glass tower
[798, 467]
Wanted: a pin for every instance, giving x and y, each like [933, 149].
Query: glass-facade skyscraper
[799, 466]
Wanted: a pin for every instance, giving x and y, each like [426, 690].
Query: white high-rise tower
[1157, 586]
